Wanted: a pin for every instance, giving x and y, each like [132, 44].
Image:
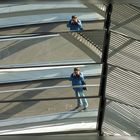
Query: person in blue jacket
[77, 79]
[74, 24]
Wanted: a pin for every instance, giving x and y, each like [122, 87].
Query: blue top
[75, 26]
[77, 81]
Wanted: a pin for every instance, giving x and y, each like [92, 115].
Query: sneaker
[75, 108]
[85, 108]
[79, 106]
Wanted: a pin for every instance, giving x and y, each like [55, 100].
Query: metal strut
[102, 103]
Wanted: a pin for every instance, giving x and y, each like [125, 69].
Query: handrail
[26, 36]
[47, 99]
[48, 87]
[44, 23]
[41, 34]
[55, 64]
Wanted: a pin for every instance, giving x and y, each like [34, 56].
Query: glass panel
[64, 47]
[46, 12]
[39, 42]
[52, 112]
[44, 89]
[47, 116]
[50, 72]
[33, 108]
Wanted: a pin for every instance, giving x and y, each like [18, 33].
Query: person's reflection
[74, 24]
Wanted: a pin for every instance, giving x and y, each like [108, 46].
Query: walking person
[74, 24]
[77, 79]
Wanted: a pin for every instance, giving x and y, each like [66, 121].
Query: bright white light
[39, 68]
[126, 133]
[46, 128]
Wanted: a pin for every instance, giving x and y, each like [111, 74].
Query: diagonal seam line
[126, 21]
